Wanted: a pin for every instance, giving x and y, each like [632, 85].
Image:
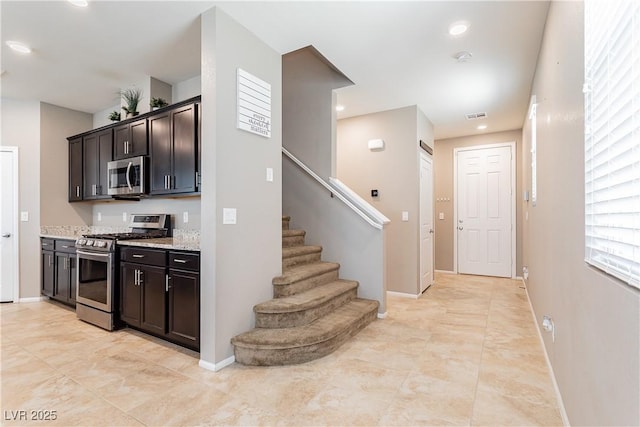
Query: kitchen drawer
[144, 256]
[46, 244]
[65, 246]
[184, 261]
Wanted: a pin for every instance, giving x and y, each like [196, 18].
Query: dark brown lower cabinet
[143, 298]
[59, 275]
[184, 307]
[159, 299]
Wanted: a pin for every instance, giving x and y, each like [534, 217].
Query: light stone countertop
[185, 240]
[164, 243]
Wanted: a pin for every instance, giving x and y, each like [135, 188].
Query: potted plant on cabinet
[131, 98]
[157, 103]
[114, 116]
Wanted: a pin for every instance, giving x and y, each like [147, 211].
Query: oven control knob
[89, 243]
[82, 241]
[100, 244]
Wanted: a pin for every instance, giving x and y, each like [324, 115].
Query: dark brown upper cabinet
[130, 140]
[97, 150]
[75, 169]
[173, 147]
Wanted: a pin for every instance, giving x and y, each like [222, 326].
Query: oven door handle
[93, 254]
[128, 177]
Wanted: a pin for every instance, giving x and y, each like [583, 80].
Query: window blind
[612, 137]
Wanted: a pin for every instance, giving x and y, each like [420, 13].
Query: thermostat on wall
[375, 144]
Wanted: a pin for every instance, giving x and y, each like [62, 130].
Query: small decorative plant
[157, 103]
[131, 98]
[114, 116]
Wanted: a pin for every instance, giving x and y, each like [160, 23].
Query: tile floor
[465, 353]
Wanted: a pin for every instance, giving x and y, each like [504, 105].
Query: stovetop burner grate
[151, 234]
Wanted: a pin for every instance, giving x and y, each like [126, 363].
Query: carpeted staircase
[313, 311]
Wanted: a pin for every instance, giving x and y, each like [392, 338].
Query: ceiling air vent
[473, 116]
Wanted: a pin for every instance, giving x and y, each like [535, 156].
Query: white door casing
[426, 221]
[9, 290]
[484, 210]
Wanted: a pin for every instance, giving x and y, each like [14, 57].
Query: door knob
[6, 235]
[431, 231]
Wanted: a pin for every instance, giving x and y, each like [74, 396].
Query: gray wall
[394, 173]
[309, 113]
[56, 124]
[110, 212]
[443, 189]
[39, 131]
[595, 356]
[238, 261]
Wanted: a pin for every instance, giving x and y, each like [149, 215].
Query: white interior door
[484, 211]
[426, 222]
[8, 224]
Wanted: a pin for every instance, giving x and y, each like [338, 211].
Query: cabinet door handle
[94, 189]
[137, 256]
[50, 260]
[135, 277]
[181, 261]
[140, 277]
[77, 191]
[64, 263]
[166, 282]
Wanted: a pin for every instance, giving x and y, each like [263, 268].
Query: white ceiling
[397, 53]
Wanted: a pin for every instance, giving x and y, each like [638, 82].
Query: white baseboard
[445, 271]
[382, 315]
[402, 295]
[32, 299]
[216, 366]
[563, 411]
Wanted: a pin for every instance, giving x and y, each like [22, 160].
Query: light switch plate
[441, 215]
[405, 216]
[124, 217]
[270, 174]
[228, 215]
[185, 217]
[99, 216]
[24, 216]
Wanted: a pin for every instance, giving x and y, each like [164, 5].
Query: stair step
[285, 222]
[293, 238]
[305, 307]
[304, 277]
[301, 344]
[295, 255]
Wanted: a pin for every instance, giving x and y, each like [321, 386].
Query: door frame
[429, 158]
[512, 146]
[15, 228]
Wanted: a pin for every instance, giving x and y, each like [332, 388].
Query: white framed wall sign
[254, 104]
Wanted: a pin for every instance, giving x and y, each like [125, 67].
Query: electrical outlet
[549, 326]
[269, 174]
[124, 217]
[99, 216]
[405, 216]
[185, 217]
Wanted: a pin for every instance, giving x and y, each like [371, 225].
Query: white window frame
[612, 138]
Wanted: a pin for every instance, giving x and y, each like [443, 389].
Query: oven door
[126, 177]
[95, 280]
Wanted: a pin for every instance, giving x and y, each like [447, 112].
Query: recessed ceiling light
[481, 127]
[79, 3]
[18, 47]
[458, 28]
[463, 56]
[339, 107]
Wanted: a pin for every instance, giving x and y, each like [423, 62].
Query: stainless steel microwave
[128, 177]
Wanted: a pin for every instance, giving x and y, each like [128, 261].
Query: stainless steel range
[97, 289]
